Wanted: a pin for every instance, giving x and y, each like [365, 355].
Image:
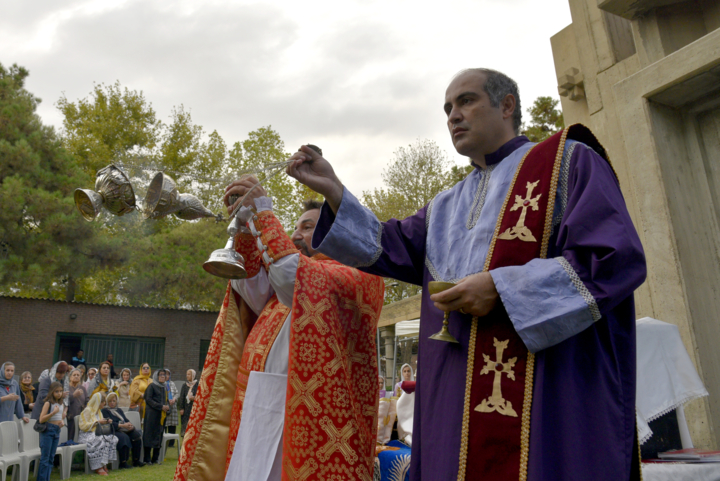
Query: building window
[127, 352]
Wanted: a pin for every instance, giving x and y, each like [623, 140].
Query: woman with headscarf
[138, 387]
[55, 374]
[406, 374]
[186, 399]
[78, 399]
[101, 449]
[128, 437]
[123, 388]
[27, 392]
[156, 409]
[102, 382]
[172, 417]
[10, 400]
[91, 373]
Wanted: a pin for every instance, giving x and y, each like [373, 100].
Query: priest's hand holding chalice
[226, 262]
[474, 295]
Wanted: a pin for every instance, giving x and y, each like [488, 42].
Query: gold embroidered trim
[553, 189]
[473, 333]
[466, 409]
[525, 423]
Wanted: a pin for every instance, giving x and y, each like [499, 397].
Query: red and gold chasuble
[499, 386]
[331, 405]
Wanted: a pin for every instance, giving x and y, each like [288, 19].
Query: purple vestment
[575, 310]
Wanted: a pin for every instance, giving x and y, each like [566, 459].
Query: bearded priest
[545, 258]
[289, 386]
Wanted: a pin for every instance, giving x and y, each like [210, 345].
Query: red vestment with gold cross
[331, 405]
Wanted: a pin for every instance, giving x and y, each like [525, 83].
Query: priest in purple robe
[573, 309]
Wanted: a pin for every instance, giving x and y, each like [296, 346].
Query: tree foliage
[44, 245]
[545, 119]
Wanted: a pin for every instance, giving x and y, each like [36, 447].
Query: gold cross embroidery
[337, 441]
[359, 306]
[301, 474]
[496, 402]
[303, 393]
[334, 365]
[519, 230]
[354, 356]
[254, 348]
[313, 313]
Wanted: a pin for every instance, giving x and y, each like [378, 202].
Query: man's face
[80, 354]
[109, 357]
[474, 124]
[302, 237]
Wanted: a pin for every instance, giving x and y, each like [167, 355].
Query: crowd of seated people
[98, 398]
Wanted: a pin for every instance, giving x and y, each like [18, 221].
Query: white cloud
[359, 78]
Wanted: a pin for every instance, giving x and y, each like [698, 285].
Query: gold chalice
[444, 335]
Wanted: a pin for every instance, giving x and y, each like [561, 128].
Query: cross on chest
[496, 402]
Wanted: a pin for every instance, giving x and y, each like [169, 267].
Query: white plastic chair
[66, 454]
[29, 446]
[167, 437]
[134, 418]
[9, 442]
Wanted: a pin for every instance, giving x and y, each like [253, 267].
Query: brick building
[35, 333]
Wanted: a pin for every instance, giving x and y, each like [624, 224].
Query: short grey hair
[498, 86]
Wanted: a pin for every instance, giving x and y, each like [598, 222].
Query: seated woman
[78, 399]
[156, 409]
[128, 437]
[28, 393]
[407, 374]
[101, 449]
[10, 402]
[123, 388]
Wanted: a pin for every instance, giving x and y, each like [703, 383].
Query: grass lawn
[164, 472]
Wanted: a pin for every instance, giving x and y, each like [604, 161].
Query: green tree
[109, 124]
[545, 119]
[45, 246]
[415, 175]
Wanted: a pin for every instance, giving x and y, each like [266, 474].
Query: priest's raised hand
[314, 171]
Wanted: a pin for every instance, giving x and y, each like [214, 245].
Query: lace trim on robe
[584, 292]
[480, 195]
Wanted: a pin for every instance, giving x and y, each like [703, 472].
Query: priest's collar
[507, 148]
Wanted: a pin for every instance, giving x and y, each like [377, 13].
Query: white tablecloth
[681, 472]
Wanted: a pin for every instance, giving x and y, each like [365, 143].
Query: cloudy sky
[360, 78]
